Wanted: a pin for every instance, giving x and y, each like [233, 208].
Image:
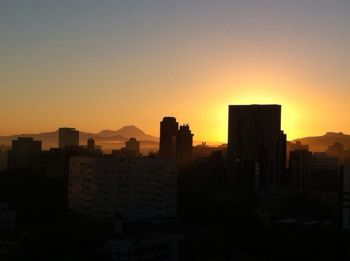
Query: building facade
[133, 188]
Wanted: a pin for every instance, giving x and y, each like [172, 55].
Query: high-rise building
[325, 172]
[345, 195]
[255, 152]
[24, 153]
[3, 158]
[291, 146]
[134, 188]
[300, 170]
[68, 137]
[167, 142]
[281, 177]
[184, 145]
[322, 162]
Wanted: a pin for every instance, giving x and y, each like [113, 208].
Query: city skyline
[182, 130]
[104, 65]
[157, 135]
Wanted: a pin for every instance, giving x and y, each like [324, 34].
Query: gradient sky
[104, 64]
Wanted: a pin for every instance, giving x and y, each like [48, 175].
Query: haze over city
[104, 64]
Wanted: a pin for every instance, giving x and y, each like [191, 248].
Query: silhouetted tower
[91, 144]
[132, 145]
[168, 130]
[300, 170]
[281, 177]
[184, 143]
[68, 137]
[255, 152]
[24, 153]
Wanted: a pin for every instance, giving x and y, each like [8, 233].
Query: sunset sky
[103, 64]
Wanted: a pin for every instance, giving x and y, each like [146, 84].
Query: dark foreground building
[256, 146]
[184, 144]
[168, 131]
[24, 153]
[68, 137]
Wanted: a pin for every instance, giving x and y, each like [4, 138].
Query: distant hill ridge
[321, 143]
[116, 138]
[50, 139]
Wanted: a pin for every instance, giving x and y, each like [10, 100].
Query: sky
[103, 64]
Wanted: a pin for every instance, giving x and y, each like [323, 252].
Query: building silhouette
[167, 141]
[203, 150]
[68, 137]
[133, 146]
[281, 177]
[300, 170]
[338, 150]
[298, 146]
[256, 145]
[4, 157]
[345, 195]
[292, 146]
[24, 153]
[137, 188]
[184, 144]
[90, 144]
[131, 149]
[324, 172]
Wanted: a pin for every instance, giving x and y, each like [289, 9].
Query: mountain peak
[131, 131]
[128, 131]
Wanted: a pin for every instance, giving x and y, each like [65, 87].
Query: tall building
[291, 146]
[281, 177]
[134, 188]
[24, 153]
[184, 145]
[168, 130]
[300, 170]
[345, 195]
[322, 162]
[3, 158]
[255, 152]
[324, 172]
[68, 137]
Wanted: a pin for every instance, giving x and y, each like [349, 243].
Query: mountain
[114, 139]
[110, 139]
[321, 143]
[128, 132]
[49, 139]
